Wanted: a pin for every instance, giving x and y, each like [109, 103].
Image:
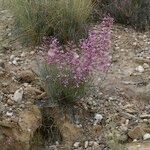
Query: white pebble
[32, 52]
[146, 136]
[57, 143]
[76, 144]
[127, 122]
[12, 57]
[98, 118]
[140, 69]
[26, 84]
[9, 34]
[135, 140]
[23, 54]
[18, 95]
[15, 62]
[9, 114]
[86, 144]
[135, 43]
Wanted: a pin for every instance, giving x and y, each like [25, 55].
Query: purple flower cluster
[76, 63]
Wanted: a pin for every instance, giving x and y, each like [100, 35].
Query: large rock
[22, 132]
[29, 121]
[139, 131]
[136, 133]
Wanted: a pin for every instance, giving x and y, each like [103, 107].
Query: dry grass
[67, 20]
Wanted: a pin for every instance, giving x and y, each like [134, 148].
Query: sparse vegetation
[129, 12]
[66, 20]
[67, 73]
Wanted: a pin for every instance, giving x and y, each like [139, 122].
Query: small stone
[15, 62]
[32, 52]
[26, 84]
[145, 65]
[57, 143]
[145, 120]
[76, 144]
[136, 133]
[22, 106]
[10, 102]
[9, 34]
[12, 57]
[9, 114]
[95, 146]
[91, 143]
[146, 136]
[79, 125]
[135, 140]
[23, 54]
[98, 118]
[18, 95]
[140, 69]
[10, 62]
[111, 98]
[26, 76]
[135, 43]
[86, 144]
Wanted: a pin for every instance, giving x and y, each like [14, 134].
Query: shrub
[121, 10]
[64, 19]
[141, 18]
[67, 73]
[130, 12]
[97, 12]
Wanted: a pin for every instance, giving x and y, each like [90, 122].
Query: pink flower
[80, 62]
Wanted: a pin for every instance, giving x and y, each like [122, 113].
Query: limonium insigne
[76, 63]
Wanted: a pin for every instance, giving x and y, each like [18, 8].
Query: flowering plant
[70, 67]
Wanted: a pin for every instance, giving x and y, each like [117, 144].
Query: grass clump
[64, 19]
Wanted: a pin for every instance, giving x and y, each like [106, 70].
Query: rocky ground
[117, 112]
